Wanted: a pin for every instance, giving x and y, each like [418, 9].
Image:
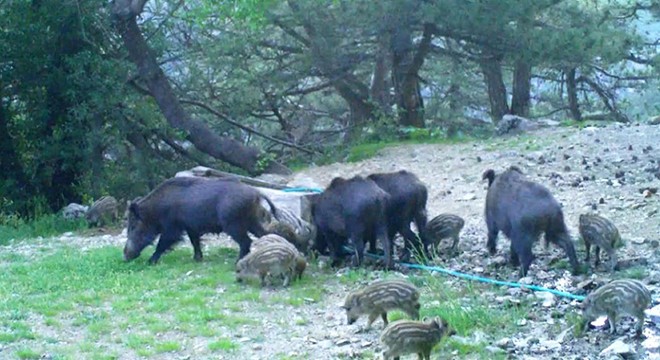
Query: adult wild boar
[197, 206]
[351, 210]
[522, 210]
[407, 203]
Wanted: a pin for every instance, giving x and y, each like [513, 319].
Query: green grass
[635, 272]
[368, 150]
[15, 228]
[114, 307]
[28, 354]
[223, 345]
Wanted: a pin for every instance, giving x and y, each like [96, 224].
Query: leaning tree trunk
[492, 70]
[607, 98]
[522, 80]
[204, 139]
[571, 90]
[406, 64]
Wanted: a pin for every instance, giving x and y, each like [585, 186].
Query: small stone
[601, 201]
[514, 291]
[527, 280]
[637, 240]
[647, 193]
[504, 343]
[494, 350]
[468, 197]
[522, 322]
[550, 344]
[567, 168]
[342, 342]
[257, 347]
[547, 298]
[618, 347]
[478, 158]
[586, 284]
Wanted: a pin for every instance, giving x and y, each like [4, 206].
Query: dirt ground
[613, 170]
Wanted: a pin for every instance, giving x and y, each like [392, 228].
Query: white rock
[342, 342]
[470, 196]
[547, 298]
[504, 343]
[550, 344]
[618, 347]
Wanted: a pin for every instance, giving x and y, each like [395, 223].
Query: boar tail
[273, 209]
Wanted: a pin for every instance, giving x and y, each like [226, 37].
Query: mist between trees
[102, 97]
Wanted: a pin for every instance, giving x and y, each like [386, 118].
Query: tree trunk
[406, 64]
[522, 80]
[354, 92]
[380, 87]
[492, 70]
[571, 90]
[204, 139]
[13, 184]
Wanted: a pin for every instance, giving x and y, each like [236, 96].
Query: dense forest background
[101, 97]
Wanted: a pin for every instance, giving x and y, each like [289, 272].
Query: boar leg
[411, 243]
[640, 323]
[167, 239]
[356, 238]
[564, 241]
[197, 246]
[238, 232]
[492, 236]
[420, 221]
[358, 243]
[372, 317]
[613, 260]
[388, 244]
[587, 247]
[611, 320]
[521, 244]
[383, 316]
[513, 256]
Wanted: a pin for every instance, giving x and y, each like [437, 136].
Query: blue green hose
[481, 279]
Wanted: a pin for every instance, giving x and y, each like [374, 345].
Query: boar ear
[133, 209]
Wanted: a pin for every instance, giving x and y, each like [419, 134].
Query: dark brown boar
[522, 210]
[197, 206]
[351, 210]
[407, 204]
